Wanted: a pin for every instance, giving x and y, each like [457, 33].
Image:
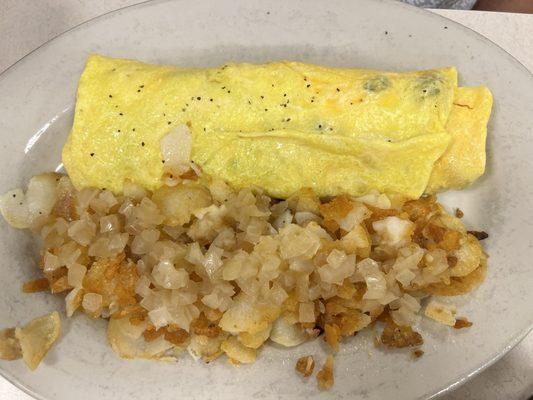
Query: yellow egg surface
[464, 160]
[284, 161]
[286, 115]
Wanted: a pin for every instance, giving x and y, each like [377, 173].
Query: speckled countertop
[26, 24]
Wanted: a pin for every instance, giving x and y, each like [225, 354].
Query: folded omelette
[280, 126]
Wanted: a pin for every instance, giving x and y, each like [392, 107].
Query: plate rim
[145, 3]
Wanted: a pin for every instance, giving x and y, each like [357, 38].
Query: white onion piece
[126, 340]
[306, 312]
[92, 302]
[20, 210]
[14, 209]
[51, 262]
[286, 334]
[167, 276]
[176, 149]
[76, 273]
[236, 351]
[394, 231]
[41, 194]
[73, 300]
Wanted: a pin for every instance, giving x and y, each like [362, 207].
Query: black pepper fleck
[266, 109]
[142, 144]
[118, 130]
[386, 32]
[268, 12]
[142, 86]
[338, 90]
[308, 85]
[138, 90]
[169, 122]
[14, 195]
[198, 98]
[445, 27]
[133, 129]
[110, 96]
[319, 126]
[120, 114]
[210, 99]
[92, 154]
[183, 109]
[229, 91]
[262, 97]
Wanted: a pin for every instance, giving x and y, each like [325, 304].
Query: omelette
[280, 126]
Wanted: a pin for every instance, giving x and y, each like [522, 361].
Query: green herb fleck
[377, 84]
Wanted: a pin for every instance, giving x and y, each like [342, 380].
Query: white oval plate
[36, 106]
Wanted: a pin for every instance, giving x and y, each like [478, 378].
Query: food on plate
[461, 323]
[305, 366]
[441, 312]
[31, 342]
[280, 126]
[211, 211]
[324, 377]
[231, 269]
[418, 353]
[464, 159]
